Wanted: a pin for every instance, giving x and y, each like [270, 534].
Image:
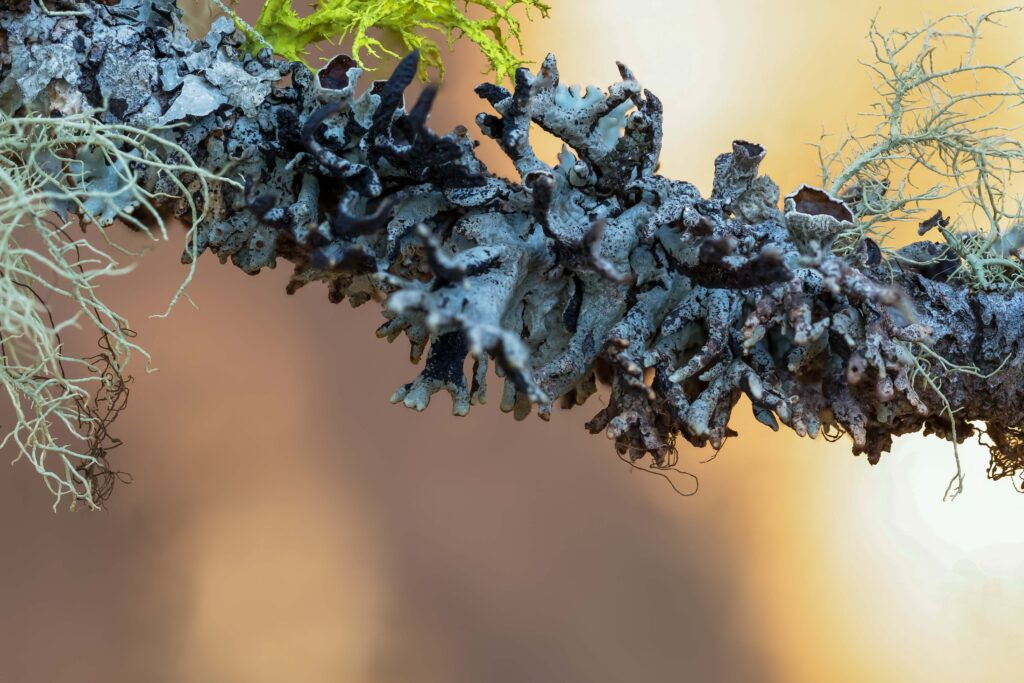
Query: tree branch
[594, 270]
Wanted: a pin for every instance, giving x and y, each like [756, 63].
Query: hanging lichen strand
[594, 270]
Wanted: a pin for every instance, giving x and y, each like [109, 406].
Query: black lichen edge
[597, 269]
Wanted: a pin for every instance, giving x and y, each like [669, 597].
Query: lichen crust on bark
[595, 269]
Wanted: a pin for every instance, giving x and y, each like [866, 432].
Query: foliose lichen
[596, 270]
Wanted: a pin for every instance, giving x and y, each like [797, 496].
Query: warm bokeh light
[286, 523]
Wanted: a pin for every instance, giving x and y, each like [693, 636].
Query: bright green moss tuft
[334, 20]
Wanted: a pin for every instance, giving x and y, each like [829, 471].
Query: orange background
[287, 524]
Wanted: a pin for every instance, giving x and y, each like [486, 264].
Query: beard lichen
[58, 176]
[941, 138]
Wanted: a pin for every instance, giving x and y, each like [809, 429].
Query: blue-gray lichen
[594, 270]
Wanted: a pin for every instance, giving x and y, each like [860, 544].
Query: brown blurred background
[287, 524]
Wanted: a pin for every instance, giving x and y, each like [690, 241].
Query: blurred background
[286, 523]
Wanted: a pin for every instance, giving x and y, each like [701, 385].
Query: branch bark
[594, 270]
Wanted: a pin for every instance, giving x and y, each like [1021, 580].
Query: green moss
[408, 20]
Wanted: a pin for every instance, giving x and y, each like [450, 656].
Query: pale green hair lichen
[940, 139]
[58, 175]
